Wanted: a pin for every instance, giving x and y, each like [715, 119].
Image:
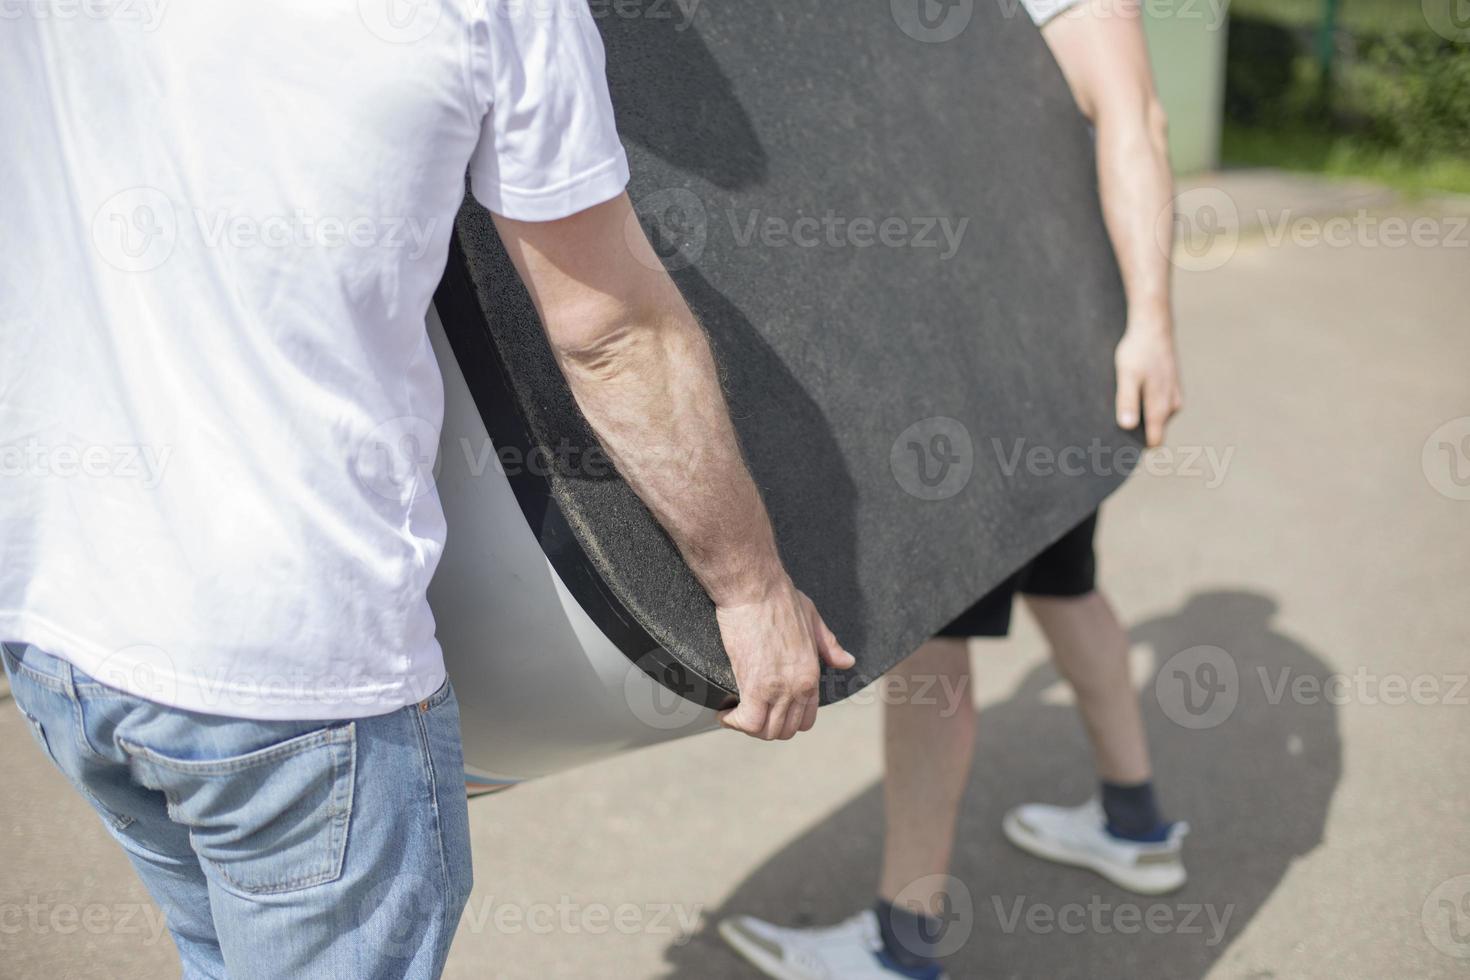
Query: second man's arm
[1101, 50]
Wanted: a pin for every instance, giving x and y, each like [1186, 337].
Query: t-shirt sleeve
[548, 144]
[1042, 11]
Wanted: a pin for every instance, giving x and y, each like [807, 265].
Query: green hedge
[1413, 93]
[1404, 90]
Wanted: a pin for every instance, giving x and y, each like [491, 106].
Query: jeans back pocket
[269, 821]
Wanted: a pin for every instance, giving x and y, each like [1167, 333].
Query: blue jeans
[276, 849]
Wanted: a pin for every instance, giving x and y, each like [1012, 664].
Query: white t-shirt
[222, 227]
[1042, 11]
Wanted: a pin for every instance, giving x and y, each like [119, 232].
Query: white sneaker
[1079, 836]
[847, 951]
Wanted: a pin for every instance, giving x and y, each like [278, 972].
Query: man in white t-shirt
[223, 224]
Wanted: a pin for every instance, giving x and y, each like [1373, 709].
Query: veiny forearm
[642, 373]
[649, 388]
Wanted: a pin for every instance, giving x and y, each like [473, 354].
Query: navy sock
[1133, 813]
[909, 938]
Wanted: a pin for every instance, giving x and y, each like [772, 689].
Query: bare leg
[929, 740]
[1090, 649]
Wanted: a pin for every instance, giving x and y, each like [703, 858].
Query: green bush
[1260, 66]
[1413, 93]
[1405, 91]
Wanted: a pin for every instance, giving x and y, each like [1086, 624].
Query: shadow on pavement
[1250, 766]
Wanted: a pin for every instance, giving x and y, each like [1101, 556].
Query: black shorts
[1066, 569]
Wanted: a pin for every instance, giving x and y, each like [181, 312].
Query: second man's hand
[1148, 378]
